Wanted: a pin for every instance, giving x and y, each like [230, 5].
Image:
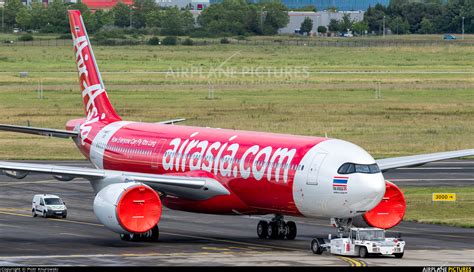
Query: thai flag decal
[339, 184]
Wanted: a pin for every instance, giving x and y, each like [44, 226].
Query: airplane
[141, 167]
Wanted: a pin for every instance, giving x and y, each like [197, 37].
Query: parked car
[449, 37]
[48, 206]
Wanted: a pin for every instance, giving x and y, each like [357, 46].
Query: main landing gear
[149, 236]
[277, 228]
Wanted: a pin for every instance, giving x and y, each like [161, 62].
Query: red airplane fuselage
[257, 168]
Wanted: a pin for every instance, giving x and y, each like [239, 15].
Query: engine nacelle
[388, 213]
[128, 207]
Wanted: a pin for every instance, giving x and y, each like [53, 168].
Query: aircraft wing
[196, 188]
[40, 131]
[415, 160]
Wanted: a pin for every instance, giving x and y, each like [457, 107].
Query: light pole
[384, 26]
[130, 17]
[463, 27]
[317, 25]
[3, 15]
[261, 19]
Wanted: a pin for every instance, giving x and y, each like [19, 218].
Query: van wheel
[64, 216]
[45, 214]
[34, 213]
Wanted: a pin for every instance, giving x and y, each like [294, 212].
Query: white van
[48, 205]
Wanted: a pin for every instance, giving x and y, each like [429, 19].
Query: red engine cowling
[388, 213]
[128, 207]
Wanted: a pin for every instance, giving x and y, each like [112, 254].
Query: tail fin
[96, 102]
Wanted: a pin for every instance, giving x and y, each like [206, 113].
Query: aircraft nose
[374, 185]
[368, 193]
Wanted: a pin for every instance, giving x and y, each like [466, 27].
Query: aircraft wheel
[124, 237]
[155, 234]
[262, 228]
[291, 230]
[316, 247]
[272, 230]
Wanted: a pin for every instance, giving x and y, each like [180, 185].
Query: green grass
[426, 105]
[420, 208]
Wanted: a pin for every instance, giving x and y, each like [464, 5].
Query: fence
[289, 42]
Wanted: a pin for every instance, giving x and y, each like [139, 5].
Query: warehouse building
[320, 18]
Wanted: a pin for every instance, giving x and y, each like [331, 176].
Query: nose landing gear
[277, 228]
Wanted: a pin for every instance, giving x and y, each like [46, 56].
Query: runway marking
[353, 261]
[49, 181]
[169, 233]
[215, 248]
[434, 168]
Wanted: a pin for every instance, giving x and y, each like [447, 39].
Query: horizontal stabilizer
[40, 131]
[172, 121]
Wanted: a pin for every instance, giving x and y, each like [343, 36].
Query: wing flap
[392, 163]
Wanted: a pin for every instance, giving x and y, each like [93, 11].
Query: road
[200, 239]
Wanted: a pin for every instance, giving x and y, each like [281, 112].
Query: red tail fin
[96, 102]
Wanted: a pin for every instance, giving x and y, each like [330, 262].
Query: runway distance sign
[444, 197]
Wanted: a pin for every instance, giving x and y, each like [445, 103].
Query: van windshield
[53, 201]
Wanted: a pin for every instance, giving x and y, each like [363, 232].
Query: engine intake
[128, 207]
[388, 213]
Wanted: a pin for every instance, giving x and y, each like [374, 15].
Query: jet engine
[128, 207]
[388, 213]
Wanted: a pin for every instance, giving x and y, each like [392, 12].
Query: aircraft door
[313, 171]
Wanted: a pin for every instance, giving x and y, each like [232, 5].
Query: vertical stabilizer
[96, 102]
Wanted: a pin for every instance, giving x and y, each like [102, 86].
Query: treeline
[431, 16]
[235, 17]
[230, 17]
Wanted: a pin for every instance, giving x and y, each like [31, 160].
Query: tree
[346, 23]
[306, 25]
[334, 25]
[39, 15]
[374, 18]
[11, 8]
[121, 14]
[276, 16]
[154, 18]
[172, 23]
[23, 19]
[229, 17]
[140, 10]
[57, 17]
[322, 29]
[360, 27]
[398, 25]
[426, 27]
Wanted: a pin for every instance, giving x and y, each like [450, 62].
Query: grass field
[425, 103]
[421, 209]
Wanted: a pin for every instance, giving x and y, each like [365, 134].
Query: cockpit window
[350, 168]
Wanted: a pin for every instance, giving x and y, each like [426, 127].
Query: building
[108, 4]
[327, 4]
[103, 4]
[320, 18]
